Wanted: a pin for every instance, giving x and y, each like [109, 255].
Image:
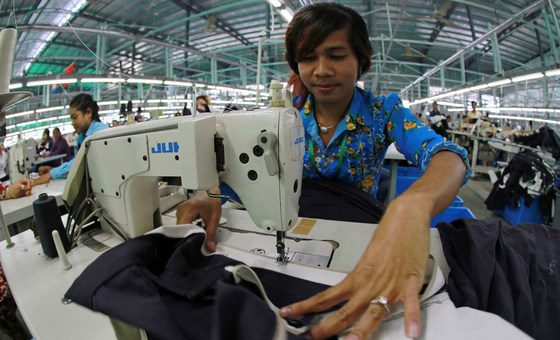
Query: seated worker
[59, 147]
[347, 133]
[19, 189]
[203, 104]
[84, 113]
[46, 142]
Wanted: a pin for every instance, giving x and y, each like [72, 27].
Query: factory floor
[474, 194]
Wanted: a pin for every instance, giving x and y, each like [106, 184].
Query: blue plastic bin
[409, 171]
[457, 202]
[450, 214]
[523, 214]
[403, 183]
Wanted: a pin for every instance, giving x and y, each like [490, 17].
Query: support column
[214, 70]
[551, 36]
[169, 63]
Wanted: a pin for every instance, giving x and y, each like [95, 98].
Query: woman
[328, 49]
[84, 113]
[59, 147]
[203, 104]
[46, 142]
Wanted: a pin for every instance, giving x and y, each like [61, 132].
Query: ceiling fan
[408, 53]
[441, 13]
[210, 27]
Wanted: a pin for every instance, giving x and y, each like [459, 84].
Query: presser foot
[281, 247]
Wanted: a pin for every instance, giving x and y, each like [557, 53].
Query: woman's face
[200, 104]
[56, 134]
[80, 120]
[45, 137]
[331, 70]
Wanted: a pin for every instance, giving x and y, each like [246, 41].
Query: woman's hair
[311, 25]
[205, 98]
[47, 132]
[84, 101]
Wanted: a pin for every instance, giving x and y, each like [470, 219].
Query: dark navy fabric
[339, 201]
[167, 287]
[511, 271]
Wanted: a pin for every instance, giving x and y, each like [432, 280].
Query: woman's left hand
[394, 263]
[393, 266]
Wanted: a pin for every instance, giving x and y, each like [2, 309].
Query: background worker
[203, 103]
[84, 113]
[59, 147]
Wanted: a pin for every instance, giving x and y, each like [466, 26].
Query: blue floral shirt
[356, 152]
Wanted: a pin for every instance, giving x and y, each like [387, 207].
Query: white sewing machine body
[257, 153]
[21, 157]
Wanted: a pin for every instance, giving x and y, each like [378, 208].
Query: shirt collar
[360, 112]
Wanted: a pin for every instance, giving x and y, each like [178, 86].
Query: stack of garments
[545, 138]
[527, 176]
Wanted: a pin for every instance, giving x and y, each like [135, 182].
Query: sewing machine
[259, 154]
[21, 158]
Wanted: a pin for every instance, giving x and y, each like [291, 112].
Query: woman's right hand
[205, 207]
[19, 189]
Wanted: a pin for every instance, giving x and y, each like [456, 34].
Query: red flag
[68, 70]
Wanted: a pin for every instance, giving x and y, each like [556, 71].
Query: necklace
[325, 129]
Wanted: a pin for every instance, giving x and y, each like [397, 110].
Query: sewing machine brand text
[169, 147]
[298, 140]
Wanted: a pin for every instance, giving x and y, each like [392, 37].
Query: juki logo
[298, 140]
[170, 147]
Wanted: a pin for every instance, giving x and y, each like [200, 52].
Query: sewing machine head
[258, 153]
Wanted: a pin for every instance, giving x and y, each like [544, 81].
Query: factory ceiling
[417, 43]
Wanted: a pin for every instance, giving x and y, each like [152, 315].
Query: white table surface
[38, 284]
[21, 208]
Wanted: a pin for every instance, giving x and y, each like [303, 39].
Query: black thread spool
[47, 217]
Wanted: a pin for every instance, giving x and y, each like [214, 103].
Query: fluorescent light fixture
[552, 73]
[103, 112]
[144, 81]
[109, 102]
[288, 15]
[164, 100]
[478, 87]
[52, 82]
[177, 83]
[47, 109]
[528, 77]
[15, 86]
[102, 80]
[20, 114]
[275, 3]
[539, 120]
[499, 82]
[47, 119]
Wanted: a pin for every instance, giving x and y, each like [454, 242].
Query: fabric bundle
[507, 270]
[527, 176]
[545, 138]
